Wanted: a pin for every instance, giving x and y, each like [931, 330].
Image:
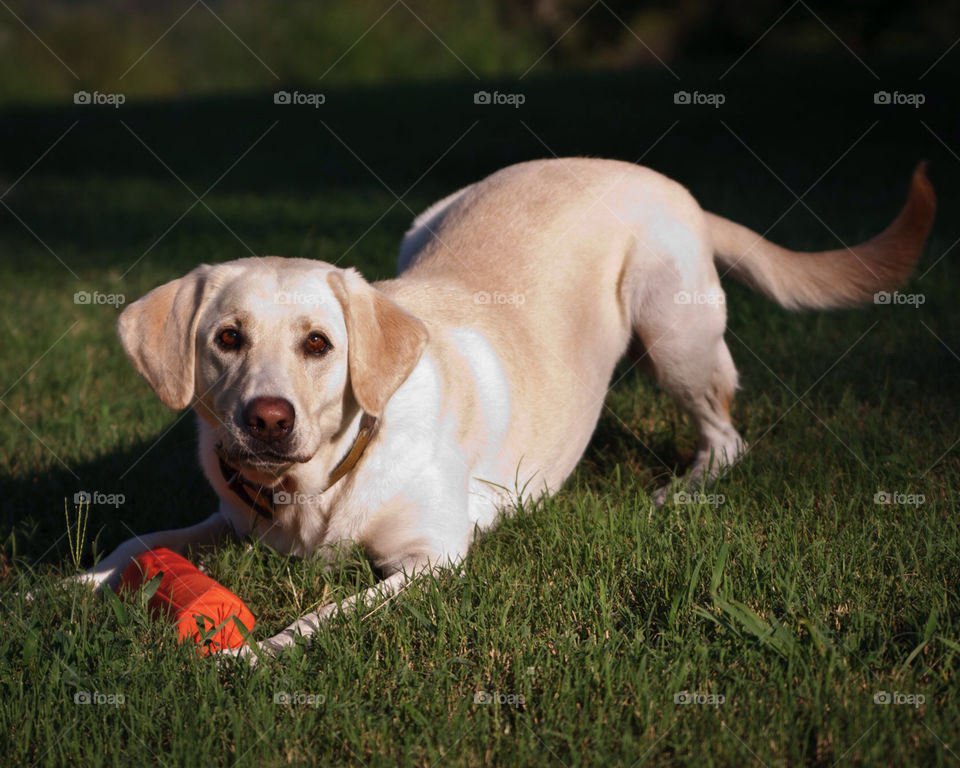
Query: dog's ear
[384, 342]
[159, 335]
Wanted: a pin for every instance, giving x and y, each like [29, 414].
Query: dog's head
[274, 354]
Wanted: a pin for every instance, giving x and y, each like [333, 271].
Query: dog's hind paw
[667, 492]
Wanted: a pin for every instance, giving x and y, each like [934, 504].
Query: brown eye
[229, 339]
[316, 344]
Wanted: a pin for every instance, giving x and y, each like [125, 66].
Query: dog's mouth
[261, 459]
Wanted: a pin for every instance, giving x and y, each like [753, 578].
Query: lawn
[765, 624]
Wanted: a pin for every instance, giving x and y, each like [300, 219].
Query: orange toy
[184, 594]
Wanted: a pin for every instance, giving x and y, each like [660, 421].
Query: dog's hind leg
[682, 332]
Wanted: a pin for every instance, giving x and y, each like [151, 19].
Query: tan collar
[260, 498]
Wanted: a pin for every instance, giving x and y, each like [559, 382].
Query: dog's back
[560, 262]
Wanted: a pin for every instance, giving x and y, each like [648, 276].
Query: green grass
[796, 599]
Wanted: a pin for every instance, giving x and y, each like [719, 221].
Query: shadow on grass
[160, 481]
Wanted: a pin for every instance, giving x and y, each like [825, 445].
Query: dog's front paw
[88, 579]
[253, 654]
[96, 579]
[244, 652]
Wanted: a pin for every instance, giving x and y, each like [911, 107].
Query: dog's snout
[269, 419]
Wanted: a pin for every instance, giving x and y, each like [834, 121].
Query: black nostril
[269, 419]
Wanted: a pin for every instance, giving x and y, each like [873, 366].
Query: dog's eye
[229, 339]
[316, 344]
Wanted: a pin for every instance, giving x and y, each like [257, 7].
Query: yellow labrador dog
[405, 415]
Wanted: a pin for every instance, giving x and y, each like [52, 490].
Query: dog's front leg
[109, 570]
[308, 625]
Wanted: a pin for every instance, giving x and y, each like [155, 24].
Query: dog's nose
[269, 419]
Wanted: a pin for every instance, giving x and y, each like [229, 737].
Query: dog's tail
[829, 279]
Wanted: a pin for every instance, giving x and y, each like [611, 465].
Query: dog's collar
[260, 498]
